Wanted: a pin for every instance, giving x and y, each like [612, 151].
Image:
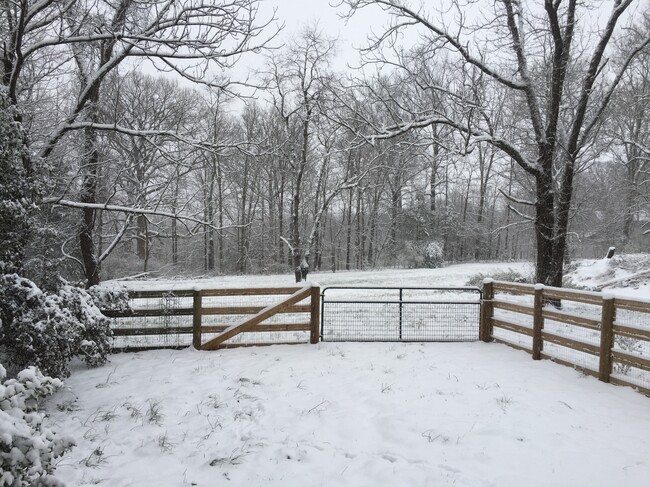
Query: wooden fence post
[487, 310]
[196, 322]
[538, 322]
[606, 338]
[315, 315]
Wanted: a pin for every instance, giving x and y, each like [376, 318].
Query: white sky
[353, 33]
[297, 14]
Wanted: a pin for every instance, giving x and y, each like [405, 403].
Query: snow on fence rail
[598, 334]
[216, 318]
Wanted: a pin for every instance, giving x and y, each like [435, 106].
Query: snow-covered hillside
[624, 275]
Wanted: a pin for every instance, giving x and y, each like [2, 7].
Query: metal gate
[400, 314]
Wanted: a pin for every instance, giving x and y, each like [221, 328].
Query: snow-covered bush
[433, 254]
[48, 329]
[27, 447]
[415, 255]
[114, 298]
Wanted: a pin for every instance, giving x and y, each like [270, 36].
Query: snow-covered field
[350, 414]
[357, 414]
[586, 272]
[454, 275]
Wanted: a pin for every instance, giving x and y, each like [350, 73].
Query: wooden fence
[610, 338]
[187, 312]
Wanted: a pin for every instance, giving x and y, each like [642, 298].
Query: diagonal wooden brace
[264, 314]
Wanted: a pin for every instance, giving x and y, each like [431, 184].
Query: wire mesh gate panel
[400, 314]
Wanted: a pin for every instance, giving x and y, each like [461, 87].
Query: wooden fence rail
[547, 306]
[290, 302]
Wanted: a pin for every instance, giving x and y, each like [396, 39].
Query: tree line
[518, 134]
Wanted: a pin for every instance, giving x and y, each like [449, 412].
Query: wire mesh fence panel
[514, 338]
[400, 314]
[156, 322]
[360, 321]
[582, 337]
[636, 321]
[504, 315]
[632, 375]
[440, 322]
[571, 356]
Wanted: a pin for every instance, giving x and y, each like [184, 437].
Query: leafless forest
[472, 130]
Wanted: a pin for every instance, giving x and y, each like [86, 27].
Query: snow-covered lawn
[350, 414]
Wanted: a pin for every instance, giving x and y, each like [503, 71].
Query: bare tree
[190, 38]
[540, 57]
[629, 129]
[299, 77]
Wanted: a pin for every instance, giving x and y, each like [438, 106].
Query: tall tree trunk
[463, 246]
[174, 240]
[297, 253]
[560, 247]
[91, 151]
[281, 257]
[508, 211]
[209, 217]
[395, 210]
[434, 170]
[544, 228]
[333, 243]
[631, 171]
[358, 231]
[372, 254]
[319, 200]
[241, 231]
[89, 195]
[220, 211]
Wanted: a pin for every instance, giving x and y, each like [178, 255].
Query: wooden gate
[211, 319]
[259, 322]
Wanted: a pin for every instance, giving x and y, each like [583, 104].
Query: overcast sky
[296, 14]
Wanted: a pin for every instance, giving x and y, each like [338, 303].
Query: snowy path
[350, 415]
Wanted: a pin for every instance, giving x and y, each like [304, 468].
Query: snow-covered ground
[350, 415]
[590, 273]
[357, 414]
[454, 275]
